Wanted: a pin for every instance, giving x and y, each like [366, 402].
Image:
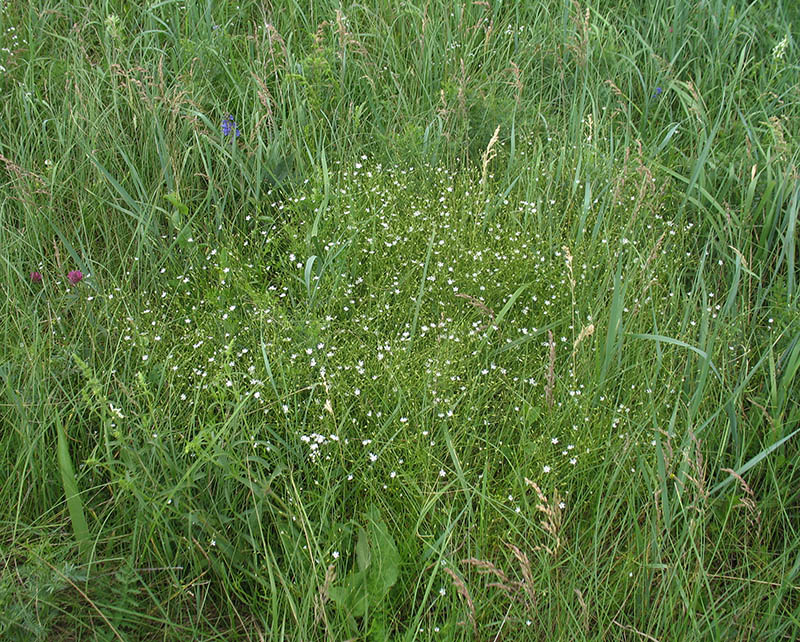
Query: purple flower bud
[75, 277]
[36, 277]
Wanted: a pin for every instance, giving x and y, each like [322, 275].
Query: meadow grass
[399, 321]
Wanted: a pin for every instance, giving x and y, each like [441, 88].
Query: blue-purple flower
[229, 127]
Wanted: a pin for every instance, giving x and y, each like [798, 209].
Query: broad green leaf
[378, 563]
[386, 559]
[351, 596]
[177, 203]
[363, 556]
[74, 503]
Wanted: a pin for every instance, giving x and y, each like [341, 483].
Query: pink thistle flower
[75, 277]
[36, 277]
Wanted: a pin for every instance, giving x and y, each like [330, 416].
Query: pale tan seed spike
[488, 155]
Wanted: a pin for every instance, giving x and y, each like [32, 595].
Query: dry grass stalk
[140, 82]
[552, 517]
[274, 38]
[579, 42]
[698, 468]
[443, 111]
[423, 30]
[740, 255]
[504, 587]
[619, 182]
[568, 256]
[522, 591]
[328, 405]
[489, 29]
[527, 575]
[485, 566]
[641, 167]
[512, 588]
[346, 38]
[585, 332]
[480, 305]
[266, 100]
[647, 182]
[463, 81]
[695, 472]
[22, 174]
[322, 596]
[653, 254]
[666, 67]
[648, 194]
[517, 82]
[698, 106]
[127, 78]
[584, 610]
[57, 255]
[461, 587]
[633, 630]
[162, 85]
[488, 155]
[551, 372]
[485, 22]
[763, 410]
[638, 303]
[614, 89]
[749, 502]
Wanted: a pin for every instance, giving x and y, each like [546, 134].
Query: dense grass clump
[394, 322]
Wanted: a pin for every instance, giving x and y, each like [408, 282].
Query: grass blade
[74, 502]
[752, 462]
[418, 302]
[678, 342]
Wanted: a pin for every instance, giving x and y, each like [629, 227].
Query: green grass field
[400, 320]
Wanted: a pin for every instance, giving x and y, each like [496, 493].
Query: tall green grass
[367, 372]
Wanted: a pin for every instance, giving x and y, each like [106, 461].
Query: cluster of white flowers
[315, 442]
[780, 49]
